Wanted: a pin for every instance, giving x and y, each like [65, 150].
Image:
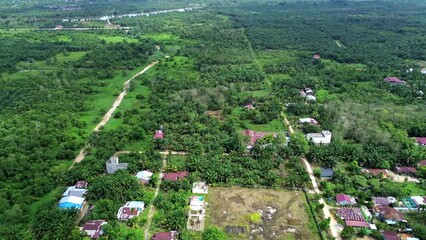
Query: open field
[283, 213]
[116, 39]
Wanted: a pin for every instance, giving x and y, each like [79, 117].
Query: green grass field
[101, 102]
[116, 39]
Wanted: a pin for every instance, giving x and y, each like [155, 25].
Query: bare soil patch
[283, 213]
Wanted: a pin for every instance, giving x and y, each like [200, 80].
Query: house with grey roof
[326, 173]
[113, 165]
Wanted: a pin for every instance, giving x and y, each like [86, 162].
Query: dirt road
[400, 178]
[152, 208]
[335, 227]
[115, 105]
[120, 97]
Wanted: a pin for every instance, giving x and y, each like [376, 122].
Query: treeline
[383, 42]
[40, 127]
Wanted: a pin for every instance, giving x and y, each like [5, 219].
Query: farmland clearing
[259, 213]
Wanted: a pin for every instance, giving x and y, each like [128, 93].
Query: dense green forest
[55, 86]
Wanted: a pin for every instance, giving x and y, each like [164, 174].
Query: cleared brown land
[283, 213]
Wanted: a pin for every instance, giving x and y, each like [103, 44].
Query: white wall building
[320, 138]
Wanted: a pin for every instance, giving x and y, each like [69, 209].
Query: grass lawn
[257, 93]
[63, 38]
[283, 213]
[161, 37]
[55, 65]
[102, 101]
[276, 125]
[266, 57]
[177, 161]
[71, 56]
[116, 39]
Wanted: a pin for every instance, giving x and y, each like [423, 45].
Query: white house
[74, 191]
[144, 176]
[311, 98]
[200, 188]
[324, 137]
[130, 210]
[308, 120]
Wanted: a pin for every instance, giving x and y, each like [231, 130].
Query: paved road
[335, 227]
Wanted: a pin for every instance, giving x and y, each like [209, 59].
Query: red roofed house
[81, 184]
[249, 106]
[422, 163]
[165, 236]
[254, 136]
[389, 235]
[388, 214]
[343, 199]
[394, 80]
[353, 217]
[362, 224]
[348, 213]
[421, 141]
[375, 171]
[158, 134]
[175, 176]
[93, 228]
[130, 210]
[405, 170]
[316, 56]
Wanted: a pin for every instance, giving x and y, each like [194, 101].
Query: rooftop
[309, 120]
[174, 176]
[197, 201]
[93, 228]
[343, 198]
[74, 191]
[352, 214]
[72, 199]
[394, 80]
[249, 106]
[356, 223]
[165, 236]
[254, 136]
[383, 200]
[389, 235]
[158, 134]
[418, 200]
[327, 172]
[81, 184]
[200, 188]
[421, 140]
[405, 169]
[144, 174]
[389, 212]
[130, 210]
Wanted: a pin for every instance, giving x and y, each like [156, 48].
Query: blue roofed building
[71, 202]
[326, 173]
